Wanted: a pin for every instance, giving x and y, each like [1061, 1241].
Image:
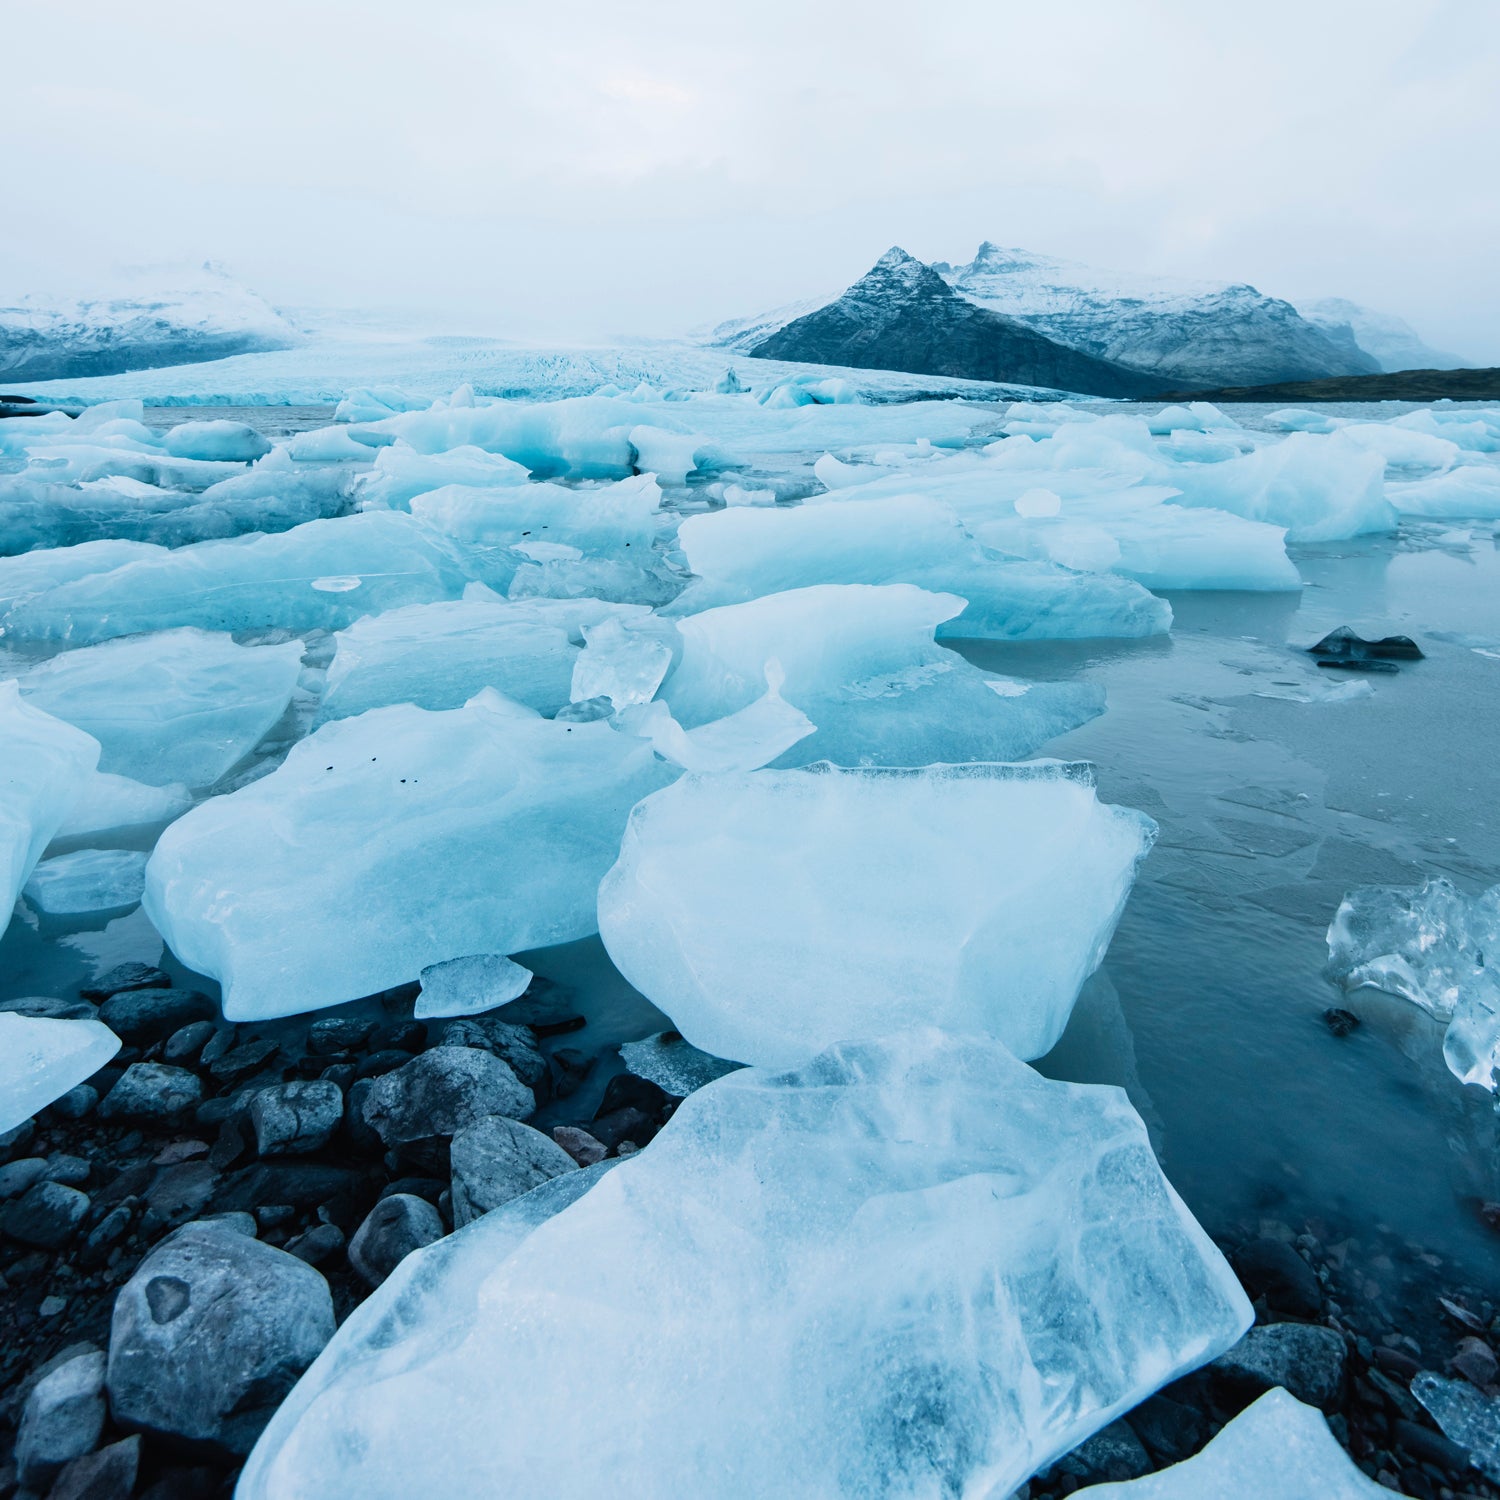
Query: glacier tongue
[914, 1267]
[774, 913]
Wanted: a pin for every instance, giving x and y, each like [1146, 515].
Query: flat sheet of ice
[86, 882]
[914, 1268]
[392, 841]
[470, 985]
[176, 706]
[743, 553]
[323, 575]
[862, 663]
[1276, 1449]
[440, 655]
[40, 1060]
[1428, 944]
[44, 764]
[772, 914]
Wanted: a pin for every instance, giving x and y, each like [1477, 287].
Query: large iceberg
[392, 841]
[44, 765]
[772, 914]
[1428, 945]
[41, 1059]
[1276, 1449]
[914, 1268]
[178, 706]
[861, 662]
[321, 575]
[742, 553]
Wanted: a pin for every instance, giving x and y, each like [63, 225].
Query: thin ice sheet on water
[914, 1267]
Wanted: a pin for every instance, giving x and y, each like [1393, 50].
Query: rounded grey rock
[211, 1333]
[152, 1091]
[395, 1227]
[1304, 1357]
[62, 1419]
[495, 1160]
[46, 1216]
[440, 1092]
[293, 1118]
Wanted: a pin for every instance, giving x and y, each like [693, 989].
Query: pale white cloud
[582, 168]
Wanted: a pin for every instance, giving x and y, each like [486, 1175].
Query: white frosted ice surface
[440, 655]
[44, 764]
[772, 914]
[41, 1059]
[107, 804]
[470, 985]
[862, 663]
[392, 841]
[176, 706]
[236, 442]
[741, 554]
[913, 1268]
[1276, 1449]
[254, 582]
[1429, 945]
[87, 882]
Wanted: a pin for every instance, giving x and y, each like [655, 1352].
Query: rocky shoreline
[309, 1160]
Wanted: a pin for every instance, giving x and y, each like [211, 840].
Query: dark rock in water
[338, 1034]
[1305, 1358]
[570, 1067]
[585, 1149]
[545, 1010]
[901, 315]
[47, 1215]
[108, 1474]
[1169, 1430]
[1113, 1455]
[440, 1092]
[210, 1333]
[495, 1160]
[393, 1229]
[62, 1419]
[1344, 650]
[623, 1125]
[243, 1061]
[186, 1044]
[178, 1193]
[155, 1092]
[13, 1142]
[151, 1015]
[1339, 1021]
[627, 1091]
[49, 1008]
[513, 1044]
[132, 976]
[319, 1245]
[292, 1119]
[17, 1176]
[78, 1102]
[1429, 1446]
[1272, 1270]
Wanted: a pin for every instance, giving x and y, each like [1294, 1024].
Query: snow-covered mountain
[1193, 332]
[1391, 341]
[901, 315]
[154, 320]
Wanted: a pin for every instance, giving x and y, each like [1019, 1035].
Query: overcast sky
[577, 170]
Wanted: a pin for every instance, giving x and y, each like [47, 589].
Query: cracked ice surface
[931, 1270]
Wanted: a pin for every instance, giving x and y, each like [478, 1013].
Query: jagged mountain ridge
[202, 315]
[902, 315]
[1193, 333]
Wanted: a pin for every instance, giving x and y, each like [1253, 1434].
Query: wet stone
[152, 1015]
[128, 976]
[46, 1216]
[394, 1228]
[152, 1092]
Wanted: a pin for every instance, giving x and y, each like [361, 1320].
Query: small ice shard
[44, 764]
[622, 665]
[1276, 1449]
[87, 882]
[673, 1064]
[392, 841]
[470, 985]
[1467, 1417]
[914, 1267]
[41, 1059]
[178, 706]
[745, 740]
[1435, 947]
[774, 913]
[1314, 691]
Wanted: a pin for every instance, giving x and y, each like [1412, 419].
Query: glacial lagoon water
[1209, 1008]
